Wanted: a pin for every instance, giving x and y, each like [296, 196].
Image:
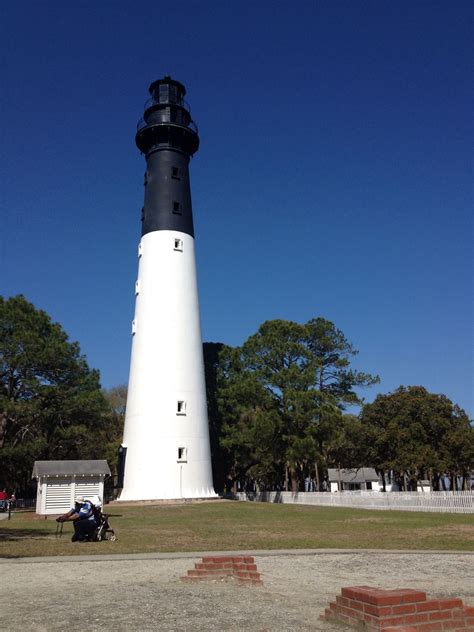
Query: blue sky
[333, 178]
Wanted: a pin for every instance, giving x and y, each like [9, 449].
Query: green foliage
[281, 396]
[112, 431]
[51, 405]
[417, 433]
[219, 457]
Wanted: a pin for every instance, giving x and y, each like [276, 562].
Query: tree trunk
[286, 477]
[405, 481]
[3, 428]
[383, 481]
[453, 481]
[294, 480]
[318, 487]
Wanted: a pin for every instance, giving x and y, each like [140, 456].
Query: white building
[363, 479]
[60, 482]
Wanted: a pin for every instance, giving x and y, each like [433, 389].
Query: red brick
[215, 565]
[392, 621]
[368, 618]
[440, 615]
[468, 610]
[342, 601]
[449, 604]
[356, 605]
[430, 627]
[458, 613]
[217, 559]
[354, 592]
[241, 574]
[411, 596]
[403, 608]
[249, 559]
[251, 567]
[379, 611]
[421, 617]
[379, 597]
[349, 612]
[427, 606]
[238, 559]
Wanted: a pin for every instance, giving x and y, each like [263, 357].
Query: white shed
[362, 478]
[60, 482]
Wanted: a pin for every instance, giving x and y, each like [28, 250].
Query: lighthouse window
[145, 179]
[181, 407]
[178, 244]
[143, 214]
[140, 249]
[176, 173]
[177, 208]
[182, 454]
[163, 93]
[134, 327]
[137, 287]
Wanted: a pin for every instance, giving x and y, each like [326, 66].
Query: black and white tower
[165, 451]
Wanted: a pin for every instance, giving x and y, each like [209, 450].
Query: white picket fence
[448, 502]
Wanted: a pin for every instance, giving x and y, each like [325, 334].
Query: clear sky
[333, 178]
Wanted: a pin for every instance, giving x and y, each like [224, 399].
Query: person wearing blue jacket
[82, 515]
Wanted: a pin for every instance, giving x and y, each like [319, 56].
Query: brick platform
[402, 610]
[240, 567]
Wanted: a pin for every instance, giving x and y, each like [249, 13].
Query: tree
[51, 404]
[112, 432]
[418, 435]
[219, 457]
[282, 394]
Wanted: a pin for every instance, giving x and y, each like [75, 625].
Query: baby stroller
[103, 530]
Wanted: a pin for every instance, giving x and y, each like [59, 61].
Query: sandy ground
[144, 592]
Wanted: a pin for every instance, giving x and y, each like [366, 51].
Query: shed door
[58, 496]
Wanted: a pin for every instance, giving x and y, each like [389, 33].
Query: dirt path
[146, 594]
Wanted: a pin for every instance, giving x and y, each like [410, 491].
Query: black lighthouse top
[167, 121]
[168, 137]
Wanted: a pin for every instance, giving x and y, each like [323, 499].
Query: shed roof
[359, 475]
[68, 468]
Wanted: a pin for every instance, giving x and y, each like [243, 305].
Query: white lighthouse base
[166, 427]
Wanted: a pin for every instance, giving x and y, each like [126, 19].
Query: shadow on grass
[12, 535]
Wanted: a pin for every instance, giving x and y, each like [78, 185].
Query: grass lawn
[221, 526]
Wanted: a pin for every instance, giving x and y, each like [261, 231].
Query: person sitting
[82, 515]
[3, 500]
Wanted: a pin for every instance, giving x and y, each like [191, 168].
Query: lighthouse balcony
[166, 121]
[153, 135]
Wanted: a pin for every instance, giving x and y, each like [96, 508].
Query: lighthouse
[165, 452]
